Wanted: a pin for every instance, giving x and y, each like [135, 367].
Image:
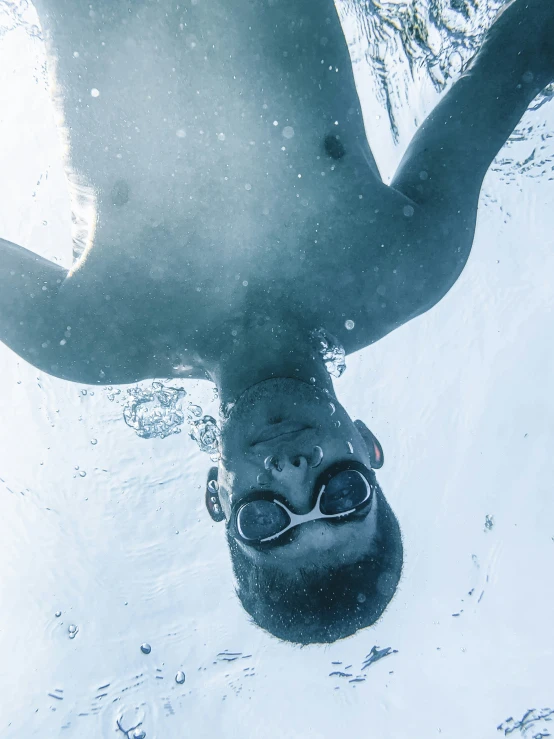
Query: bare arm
[71, 331]
[451, 152]
[29, 286]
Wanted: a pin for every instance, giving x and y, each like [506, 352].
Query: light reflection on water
[127, 556]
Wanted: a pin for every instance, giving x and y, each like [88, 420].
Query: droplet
[213, 486]
[312, 380]
[317, 456]
[83, 392]
[332, 407]
[180, 677]
[349, 325]
[350, 448]
[58, 614]
[82, 473]
[94, 92]
[145, 648]
[261, 479]
[94, 442]
[272, 463]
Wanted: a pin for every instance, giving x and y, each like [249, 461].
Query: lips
[278, 431]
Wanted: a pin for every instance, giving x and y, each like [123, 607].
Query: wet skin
[287, 419]
[194, 234]
[237, 205]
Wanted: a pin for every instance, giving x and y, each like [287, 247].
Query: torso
[201, 133]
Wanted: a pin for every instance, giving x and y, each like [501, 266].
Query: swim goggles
[343, 489]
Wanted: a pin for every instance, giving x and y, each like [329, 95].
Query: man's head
[326, 578]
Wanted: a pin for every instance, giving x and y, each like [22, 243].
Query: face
[287, 420]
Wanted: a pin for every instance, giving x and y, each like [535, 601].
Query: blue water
[105, 546]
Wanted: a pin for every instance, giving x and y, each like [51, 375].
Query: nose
[293, 471]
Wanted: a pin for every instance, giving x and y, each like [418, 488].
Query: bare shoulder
[403, 260]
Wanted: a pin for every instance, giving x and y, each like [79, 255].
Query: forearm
[457, 142]
[514, 64]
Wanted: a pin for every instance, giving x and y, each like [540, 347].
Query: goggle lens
[261, 519]
[343, 492]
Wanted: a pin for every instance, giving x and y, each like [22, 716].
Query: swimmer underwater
[238, 207]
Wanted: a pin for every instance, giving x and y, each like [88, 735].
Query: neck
[262, 352]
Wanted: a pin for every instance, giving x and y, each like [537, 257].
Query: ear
[373, 446]
[213, 504]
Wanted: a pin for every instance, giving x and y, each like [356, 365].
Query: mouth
[286, 429]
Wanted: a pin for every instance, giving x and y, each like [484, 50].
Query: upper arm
[451, 152]
[65, 327]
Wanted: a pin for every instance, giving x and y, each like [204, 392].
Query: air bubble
[317, 457]
[82, 473]
[139, 734]
[337, 424]
[350, 448]
[94, 92]
[205, 432]
[145, 648]
[288, 132]
[261, 479]
[58, 614]
[72, 631]
[94, 442]
[332, 407]
[408, 211]
[153, 412]
[331, 352]
[213, 486]
[180, 677]
[349, 325]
